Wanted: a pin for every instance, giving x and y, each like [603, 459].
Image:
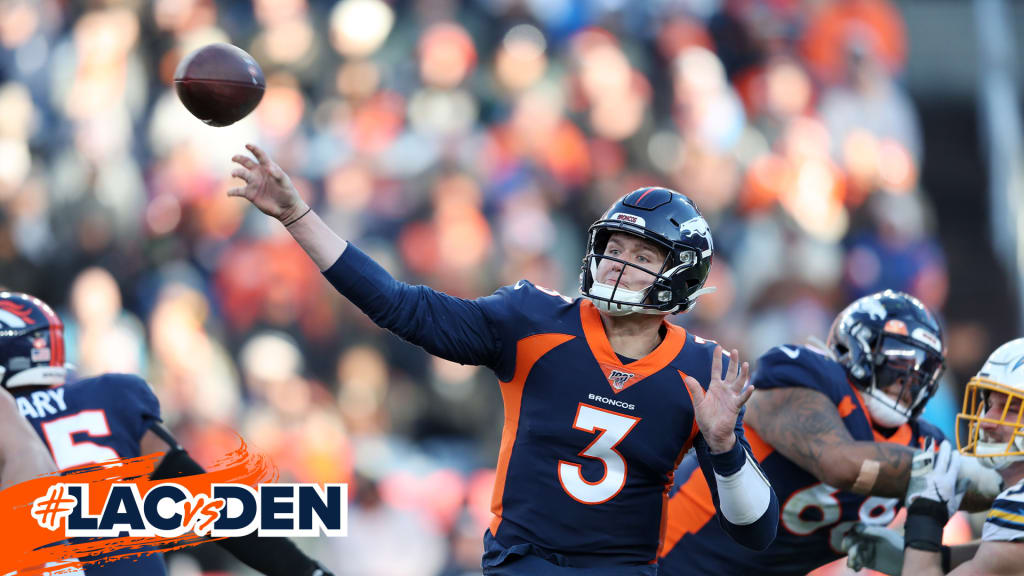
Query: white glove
[933, 475]
[875, 548]
[985, 482]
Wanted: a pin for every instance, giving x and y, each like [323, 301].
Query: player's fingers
[277, 173]
[693, 387]
[716, 364]
[241, 173]
[258, 152]
[237, 191]
[746, 394]
[744, 376]
[244, 161]
[734, 363]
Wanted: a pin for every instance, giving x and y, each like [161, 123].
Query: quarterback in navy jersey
[92, 420]
[602, 396]
[835, 428]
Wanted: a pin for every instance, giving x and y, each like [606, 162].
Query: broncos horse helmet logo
[14, 316]
[697, 226]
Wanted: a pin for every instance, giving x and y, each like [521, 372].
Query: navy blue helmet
[31, 342]
[887, 338]
[669, 220]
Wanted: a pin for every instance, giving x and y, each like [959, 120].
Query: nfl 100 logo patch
[618, 379]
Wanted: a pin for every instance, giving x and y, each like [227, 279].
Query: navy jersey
[92, 420]
[589, 444]
[814, 516]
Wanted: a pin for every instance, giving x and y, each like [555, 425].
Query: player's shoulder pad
[926, 429]
[799, 366]
[131, 389]
[529, 296]
[510, 306]
[697, 356]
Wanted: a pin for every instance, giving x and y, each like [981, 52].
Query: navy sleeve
[463, 331]
[759, 534]
[135, 400]
[799, 367]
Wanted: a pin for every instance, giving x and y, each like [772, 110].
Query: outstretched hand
[718, 408]
[266, 186]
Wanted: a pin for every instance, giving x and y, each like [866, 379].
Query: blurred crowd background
[465, 145]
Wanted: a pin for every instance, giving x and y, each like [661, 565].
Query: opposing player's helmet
[668, 219]
[885, 338]
[1003, 372]
[31, 342]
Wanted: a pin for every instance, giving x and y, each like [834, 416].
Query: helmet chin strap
[701, 292]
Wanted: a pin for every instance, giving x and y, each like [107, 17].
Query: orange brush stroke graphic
[26, 546]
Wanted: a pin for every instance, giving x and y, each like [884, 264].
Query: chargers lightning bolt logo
[1018, 364]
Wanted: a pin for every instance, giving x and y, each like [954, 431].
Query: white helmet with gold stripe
[993, 409]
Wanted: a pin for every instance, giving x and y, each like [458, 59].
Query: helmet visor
[915, 369]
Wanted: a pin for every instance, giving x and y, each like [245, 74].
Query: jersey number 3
[66, 452]
[611, 428]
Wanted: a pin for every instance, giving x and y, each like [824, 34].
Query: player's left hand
[875, 548]
[933, 475]
[717, 409]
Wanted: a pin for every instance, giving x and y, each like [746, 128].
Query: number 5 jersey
[89, 421]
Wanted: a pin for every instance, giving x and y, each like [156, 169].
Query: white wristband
[744, 497]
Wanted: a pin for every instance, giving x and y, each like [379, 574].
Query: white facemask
[600, 290]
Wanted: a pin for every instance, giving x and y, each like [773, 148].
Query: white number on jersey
[795, 517]
[68, 453]
[612, 427]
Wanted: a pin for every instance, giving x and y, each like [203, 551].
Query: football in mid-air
[219, 83]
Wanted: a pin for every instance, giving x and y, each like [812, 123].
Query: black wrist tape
[925, 521]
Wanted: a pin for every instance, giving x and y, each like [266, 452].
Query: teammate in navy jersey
[110, 416]
[991, 434]
[602, 396]
[835, 428]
